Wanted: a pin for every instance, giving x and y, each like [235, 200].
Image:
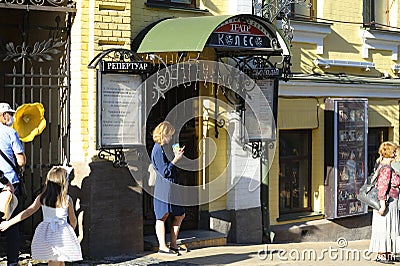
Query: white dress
[54, 238]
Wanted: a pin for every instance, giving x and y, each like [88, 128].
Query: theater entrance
[188, 137]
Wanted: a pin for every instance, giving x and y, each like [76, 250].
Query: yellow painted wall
[344, 41]
[217, 7]
[381, 113]
[300, 113]
[143, 15]
[385, 113]
[114, 23]
[217, 169]
[103, 25]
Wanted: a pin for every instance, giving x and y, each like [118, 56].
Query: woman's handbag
[368, 193]
[152, 175]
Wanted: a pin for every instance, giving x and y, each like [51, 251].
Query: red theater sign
[241, 34]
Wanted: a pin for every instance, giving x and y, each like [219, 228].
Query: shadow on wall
[109, 211]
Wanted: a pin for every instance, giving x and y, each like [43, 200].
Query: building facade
[348, 59]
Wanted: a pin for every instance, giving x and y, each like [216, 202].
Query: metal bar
[14, 82]
[27, 82]
[38, 8]
[50, 117]
[29, 75]
[31, 100]
[35, 86]
[59, 124]
[68, 77]
[41, 145]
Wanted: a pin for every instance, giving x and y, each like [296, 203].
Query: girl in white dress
[54, 240]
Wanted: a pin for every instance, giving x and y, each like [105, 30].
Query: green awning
[190, 34]
[180, 34]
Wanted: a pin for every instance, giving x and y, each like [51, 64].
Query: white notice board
[259, 120]
[119, 111]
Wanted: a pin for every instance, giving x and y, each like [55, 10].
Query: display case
[346, 126]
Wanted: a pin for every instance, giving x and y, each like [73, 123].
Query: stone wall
[109, 210]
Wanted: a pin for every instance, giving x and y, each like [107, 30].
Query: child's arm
[22, 215]
[71, 214]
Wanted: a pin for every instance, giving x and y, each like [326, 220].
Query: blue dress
[164, 192]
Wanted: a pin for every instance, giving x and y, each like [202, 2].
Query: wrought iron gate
[35, 68]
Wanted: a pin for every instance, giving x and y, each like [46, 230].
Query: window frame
[379, 134]
[370, 9]
[306, 17]
[171, 3]
[292, 158]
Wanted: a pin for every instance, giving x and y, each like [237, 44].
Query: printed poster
[351, 155]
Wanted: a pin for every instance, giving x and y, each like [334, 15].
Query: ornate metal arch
[114, 55]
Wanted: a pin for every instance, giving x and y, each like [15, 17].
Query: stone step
[190, 239]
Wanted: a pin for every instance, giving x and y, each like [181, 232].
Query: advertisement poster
[351, 156]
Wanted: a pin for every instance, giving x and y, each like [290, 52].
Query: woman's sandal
[169, 252]
[383, 260]
[179, 248]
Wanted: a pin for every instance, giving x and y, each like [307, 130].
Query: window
[377, 14]
[375, 137]
[174, 3]
[294, 171]
[303, 11]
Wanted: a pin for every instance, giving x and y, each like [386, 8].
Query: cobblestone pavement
[306, 253]
[117, 261]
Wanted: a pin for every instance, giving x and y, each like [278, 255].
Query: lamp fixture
[327, 63]
[396, 68]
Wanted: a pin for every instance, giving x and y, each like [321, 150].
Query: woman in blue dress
[164, 190]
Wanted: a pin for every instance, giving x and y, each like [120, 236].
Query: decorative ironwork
[119, 157]
[261, 67]
[114, 55]
[40, 52]
[57, 3]
[121, 61]
[219, 121]
[256, 149]
[278, 9]
[26, 80]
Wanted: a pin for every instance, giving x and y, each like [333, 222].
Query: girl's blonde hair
[55, 191]
[163, 129]
[387, 149]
